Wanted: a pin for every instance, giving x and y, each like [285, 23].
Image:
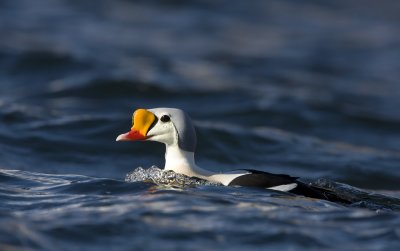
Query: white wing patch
[284, 188]
[226, 178]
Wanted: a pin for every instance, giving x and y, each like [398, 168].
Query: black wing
[266, 180]
[262, 179]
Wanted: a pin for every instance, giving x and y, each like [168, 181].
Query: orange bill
[142, 120]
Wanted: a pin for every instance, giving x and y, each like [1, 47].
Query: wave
[81, 211]
[357, 197]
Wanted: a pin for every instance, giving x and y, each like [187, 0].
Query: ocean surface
[307, 88]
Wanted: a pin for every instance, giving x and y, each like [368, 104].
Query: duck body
[174, 128]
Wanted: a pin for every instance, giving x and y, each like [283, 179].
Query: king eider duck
[174, 128]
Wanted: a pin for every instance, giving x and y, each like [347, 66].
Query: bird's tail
[312, 191]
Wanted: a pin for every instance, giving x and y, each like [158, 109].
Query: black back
[262, 179]
[267, 180]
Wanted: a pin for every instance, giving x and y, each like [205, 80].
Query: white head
[174, 128]
[170, 126]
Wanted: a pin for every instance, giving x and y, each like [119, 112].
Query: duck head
[170, 126]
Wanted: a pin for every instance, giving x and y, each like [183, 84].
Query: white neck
[182, 162]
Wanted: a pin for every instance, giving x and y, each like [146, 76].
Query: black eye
[165, 118]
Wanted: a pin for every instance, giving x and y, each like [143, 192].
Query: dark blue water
[308, 88]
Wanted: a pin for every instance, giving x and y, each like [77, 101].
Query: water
[308, 88]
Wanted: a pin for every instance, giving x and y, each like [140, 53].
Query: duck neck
[183, 162]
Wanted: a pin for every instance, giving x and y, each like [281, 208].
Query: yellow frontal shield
[142, 120]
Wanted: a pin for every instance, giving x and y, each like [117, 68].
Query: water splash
[162, 177]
